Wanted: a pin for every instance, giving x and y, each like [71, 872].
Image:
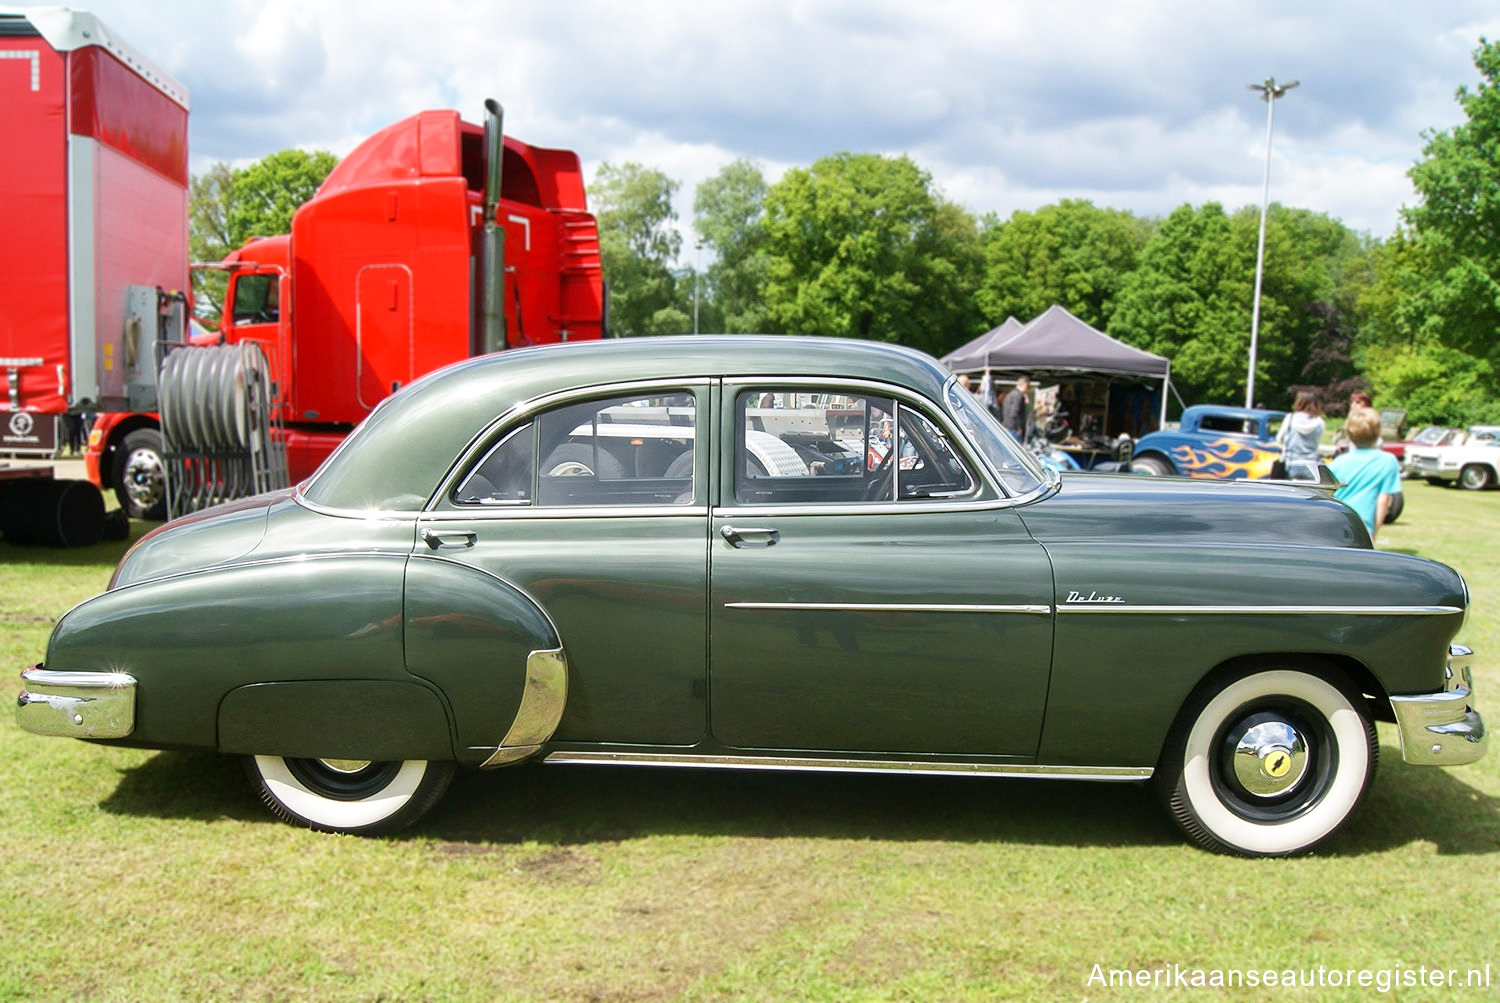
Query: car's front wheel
[1268, 764]
[348, 795]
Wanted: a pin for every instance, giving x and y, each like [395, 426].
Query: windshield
[1018, 469]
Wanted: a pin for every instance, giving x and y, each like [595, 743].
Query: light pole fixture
[1269, 92]
[697, 269]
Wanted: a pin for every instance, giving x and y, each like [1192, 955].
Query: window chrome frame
[441, 507]
[986, 493]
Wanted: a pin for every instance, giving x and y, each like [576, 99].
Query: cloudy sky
[1010, 104]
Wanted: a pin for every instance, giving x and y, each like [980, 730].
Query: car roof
[1243, 413]
[406, 445]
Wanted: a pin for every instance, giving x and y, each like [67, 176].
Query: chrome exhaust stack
[492, 333]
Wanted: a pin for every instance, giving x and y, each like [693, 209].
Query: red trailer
[427, 244]
[93, 255]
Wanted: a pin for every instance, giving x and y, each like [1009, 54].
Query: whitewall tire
[1270, 763]
[339, 795]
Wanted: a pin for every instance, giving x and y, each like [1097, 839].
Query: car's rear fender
[191, 639]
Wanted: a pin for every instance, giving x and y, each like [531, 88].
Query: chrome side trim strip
[542, 702]
[807, 764]
[1311, 610]
[877, 607]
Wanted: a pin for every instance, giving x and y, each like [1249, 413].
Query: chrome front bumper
[1442, 729]
[77, 704]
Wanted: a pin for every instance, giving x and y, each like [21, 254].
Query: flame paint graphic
[1224, 458]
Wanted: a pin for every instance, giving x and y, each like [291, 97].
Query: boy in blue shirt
[1369, 474]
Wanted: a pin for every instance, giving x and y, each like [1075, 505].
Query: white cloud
[1009, 103]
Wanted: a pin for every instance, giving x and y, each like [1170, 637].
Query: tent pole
[1166, 381]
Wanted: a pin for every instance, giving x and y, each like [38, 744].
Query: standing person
[1301, 431]
[1370, 477]
[1015, 408]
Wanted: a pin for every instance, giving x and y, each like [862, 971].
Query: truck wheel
[344, 795]
[1476, 477]
[1268, 764]
[1151, 466]
[141, 475]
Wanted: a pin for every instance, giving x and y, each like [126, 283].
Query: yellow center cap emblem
[1277, 764]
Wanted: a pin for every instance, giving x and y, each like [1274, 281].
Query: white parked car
[1473, 461]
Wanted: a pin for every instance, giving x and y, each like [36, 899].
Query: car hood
[203, 539]
[1132, 508]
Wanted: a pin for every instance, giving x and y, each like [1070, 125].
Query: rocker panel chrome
[808, 764]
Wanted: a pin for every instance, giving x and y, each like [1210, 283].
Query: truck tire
[140, 475]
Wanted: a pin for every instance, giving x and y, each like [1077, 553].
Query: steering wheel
[881, 482]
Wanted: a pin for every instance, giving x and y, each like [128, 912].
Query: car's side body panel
[1133, 643]
[867, 632]
[191, 639]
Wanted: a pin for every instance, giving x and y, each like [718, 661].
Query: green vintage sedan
[763, 553]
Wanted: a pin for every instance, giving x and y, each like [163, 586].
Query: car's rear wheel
[1152, 466]
[1476, 477]
[348, 795]
[1269, 763]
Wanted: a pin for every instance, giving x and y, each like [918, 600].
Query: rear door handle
[448, 539]
[758, 536]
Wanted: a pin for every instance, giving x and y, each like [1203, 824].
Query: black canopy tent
[1059, 345]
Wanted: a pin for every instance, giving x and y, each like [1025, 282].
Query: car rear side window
[626, 450]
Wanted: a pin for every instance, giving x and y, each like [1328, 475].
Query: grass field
[145, 875]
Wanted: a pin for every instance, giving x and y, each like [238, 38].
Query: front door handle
[758, 536]
[448, 539]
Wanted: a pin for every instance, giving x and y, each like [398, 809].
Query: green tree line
[865, 245]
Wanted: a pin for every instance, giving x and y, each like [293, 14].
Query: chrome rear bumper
[1442, 729]
[76, 704]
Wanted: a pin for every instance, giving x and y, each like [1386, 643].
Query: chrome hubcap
[345, 765]
[570, 468]
[145, 480]
[1270, 758]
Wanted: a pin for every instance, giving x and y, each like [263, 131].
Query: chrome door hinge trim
[816, 765]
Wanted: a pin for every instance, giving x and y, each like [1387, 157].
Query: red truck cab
[379, 283]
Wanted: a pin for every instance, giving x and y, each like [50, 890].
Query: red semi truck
[93, 249]
[388, 274]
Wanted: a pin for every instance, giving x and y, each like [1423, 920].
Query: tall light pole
[1269, 92]
[697, 269]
